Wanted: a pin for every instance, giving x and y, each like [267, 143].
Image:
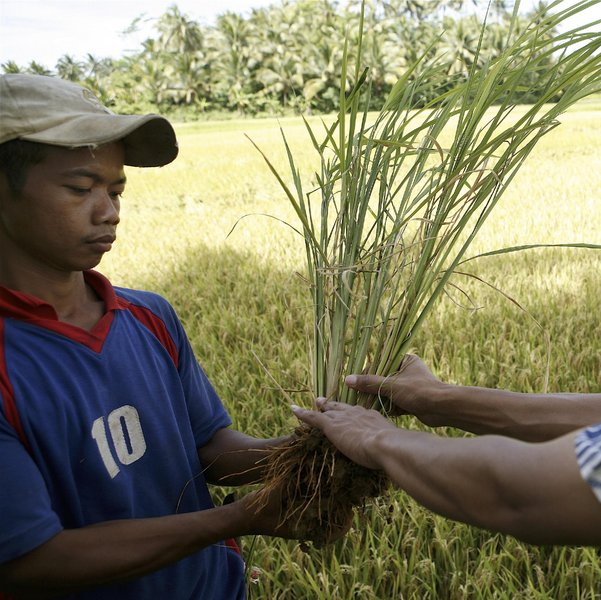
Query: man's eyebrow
[82, 172]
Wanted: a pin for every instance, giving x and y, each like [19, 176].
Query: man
[534, 472]
[109, 429]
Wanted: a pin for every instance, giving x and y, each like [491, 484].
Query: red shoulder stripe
[7, 393]
[230, 543]
[154, 324]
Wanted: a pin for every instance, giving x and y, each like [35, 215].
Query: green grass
[246, 310]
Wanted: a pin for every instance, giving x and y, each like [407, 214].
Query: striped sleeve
[588, 454]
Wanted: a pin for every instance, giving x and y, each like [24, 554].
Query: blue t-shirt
[105, 424]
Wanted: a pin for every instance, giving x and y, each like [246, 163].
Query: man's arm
[529, 417]
[234, 458]
[532, 491]
[116, 551]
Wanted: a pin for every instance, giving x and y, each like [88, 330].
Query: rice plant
[399, 204]
[395, 211]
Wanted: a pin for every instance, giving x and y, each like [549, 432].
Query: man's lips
[102, 243]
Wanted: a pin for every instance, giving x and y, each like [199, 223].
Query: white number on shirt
[126, 435]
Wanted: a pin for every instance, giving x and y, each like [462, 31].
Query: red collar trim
[102, 286]
[25, 307]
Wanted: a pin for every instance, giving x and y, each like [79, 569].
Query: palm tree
[323, 52]
[182, 49]
[459, 44]
[178, 33]
[232, 66]
[419, 10]
[277, 52]
[289, 54]
[69, 68]
[148, 70]
[11, 67]
[38, 69]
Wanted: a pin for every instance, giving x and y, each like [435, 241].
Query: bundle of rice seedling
[394, 214]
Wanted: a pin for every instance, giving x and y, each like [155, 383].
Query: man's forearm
[528, 417]
[448, 476]
[234, 458]
[117, 551]
[531, 491]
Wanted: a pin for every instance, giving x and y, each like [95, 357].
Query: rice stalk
[398, 205]
[398, 210]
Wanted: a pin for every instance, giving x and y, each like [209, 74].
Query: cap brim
[149, 140]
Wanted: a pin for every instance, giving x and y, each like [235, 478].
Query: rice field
[210, 233]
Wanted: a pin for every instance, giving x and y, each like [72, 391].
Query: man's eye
[78, 190]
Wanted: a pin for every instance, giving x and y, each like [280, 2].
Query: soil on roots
[319, 486]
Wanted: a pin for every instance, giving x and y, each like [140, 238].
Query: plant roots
[319, 486]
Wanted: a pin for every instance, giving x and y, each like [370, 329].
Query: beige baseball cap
[53, 111]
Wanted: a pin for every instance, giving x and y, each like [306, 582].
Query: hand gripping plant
[402, 193]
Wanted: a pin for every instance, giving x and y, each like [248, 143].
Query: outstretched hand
[411, 391]
[352, 429]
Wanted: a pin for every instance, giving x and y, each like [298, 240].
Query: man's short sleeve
[588, 454]
[26, 516]
[205, 409]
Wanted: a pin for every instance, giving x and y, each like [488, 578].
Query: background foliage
[286, 57]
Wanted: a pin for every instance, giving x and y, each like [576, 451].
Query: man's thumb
[370, 384]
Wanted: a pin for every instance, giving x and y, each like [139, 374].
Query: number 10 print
[126, 435]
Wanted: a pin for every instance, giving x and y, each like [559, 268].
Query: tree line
[288, 56]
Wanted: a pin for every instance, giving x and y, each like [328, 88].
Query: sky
[45, 30]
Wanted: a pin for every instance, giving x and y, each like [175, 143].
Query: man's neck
[74, 301]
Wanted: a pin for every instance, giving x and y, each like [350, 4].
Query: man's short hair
[16, 158]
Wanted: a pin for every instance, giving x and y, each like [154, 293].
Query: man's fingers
[316, 417]
[371, 384]
[298, 411]
[325, 405]
[311, 417]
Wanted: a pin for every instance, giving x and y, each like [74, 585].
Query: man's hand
[412, 390]
[352, 429]
[529, 417]
[268, 518]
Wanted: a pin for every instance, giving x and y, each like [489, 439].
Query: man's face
[67, 212]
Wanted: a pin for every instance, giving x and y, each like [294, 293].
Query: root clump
[320, 487]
